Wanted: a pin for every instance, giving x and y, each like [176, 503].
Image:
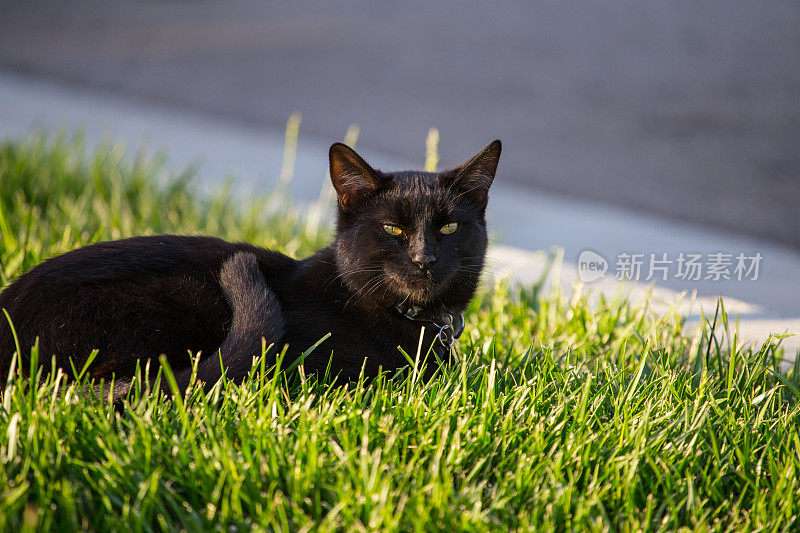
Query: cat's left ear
[474, 177]
[351, 176]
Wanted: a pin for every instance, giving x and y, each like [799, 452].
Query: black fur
[172, 295]
[255, 319]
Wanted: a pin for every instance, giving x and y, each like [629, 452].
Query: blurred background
[687, 109]
[627, 125]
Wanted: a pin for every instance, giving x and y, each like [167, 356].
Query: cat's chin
[420, 290]
[422, 296]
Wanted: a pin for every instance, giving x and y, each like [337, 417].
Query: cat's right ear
[351, 176]
[474, 177]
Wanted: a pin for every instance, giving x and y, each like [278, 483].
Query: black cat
[408, 253]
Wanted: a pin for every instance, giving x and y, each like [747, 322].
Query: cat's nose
[424, 261]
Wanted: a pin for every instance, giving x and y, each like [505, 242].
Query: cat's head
[411, 237]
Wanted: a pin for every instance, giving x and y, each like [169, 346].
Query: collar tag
[450, 326]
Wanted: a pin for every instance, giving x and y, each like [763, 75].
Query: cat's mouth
[421, 286]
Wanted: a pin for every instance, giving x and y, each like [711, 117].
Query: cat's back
[134, 256]
[138, 256]
[103, 264]
[166, 287]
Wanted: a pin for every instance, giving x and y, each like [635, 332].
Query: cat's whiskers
[361, 289]
[366, 289]
[375, 287]
[340, 274]
[486, 265]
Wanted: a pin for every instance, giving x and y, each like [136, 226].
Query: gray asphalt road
[690, 109]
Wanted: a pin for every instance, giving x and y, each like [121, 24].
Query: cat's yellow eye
[447, 229]
[394, 231]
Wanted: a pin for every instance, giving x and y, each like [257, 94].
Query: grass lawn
[559, 415]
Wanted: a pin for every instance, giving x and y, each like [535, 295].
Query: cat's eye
[447, 229]
[394, 231]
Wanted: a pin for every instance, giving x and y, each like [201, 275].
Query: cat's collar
[450, 326]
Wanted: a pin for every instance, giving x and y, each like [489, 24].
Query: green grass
[559, 415]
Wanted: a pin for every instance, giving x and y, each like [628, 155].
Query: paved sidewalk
[523, 223]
